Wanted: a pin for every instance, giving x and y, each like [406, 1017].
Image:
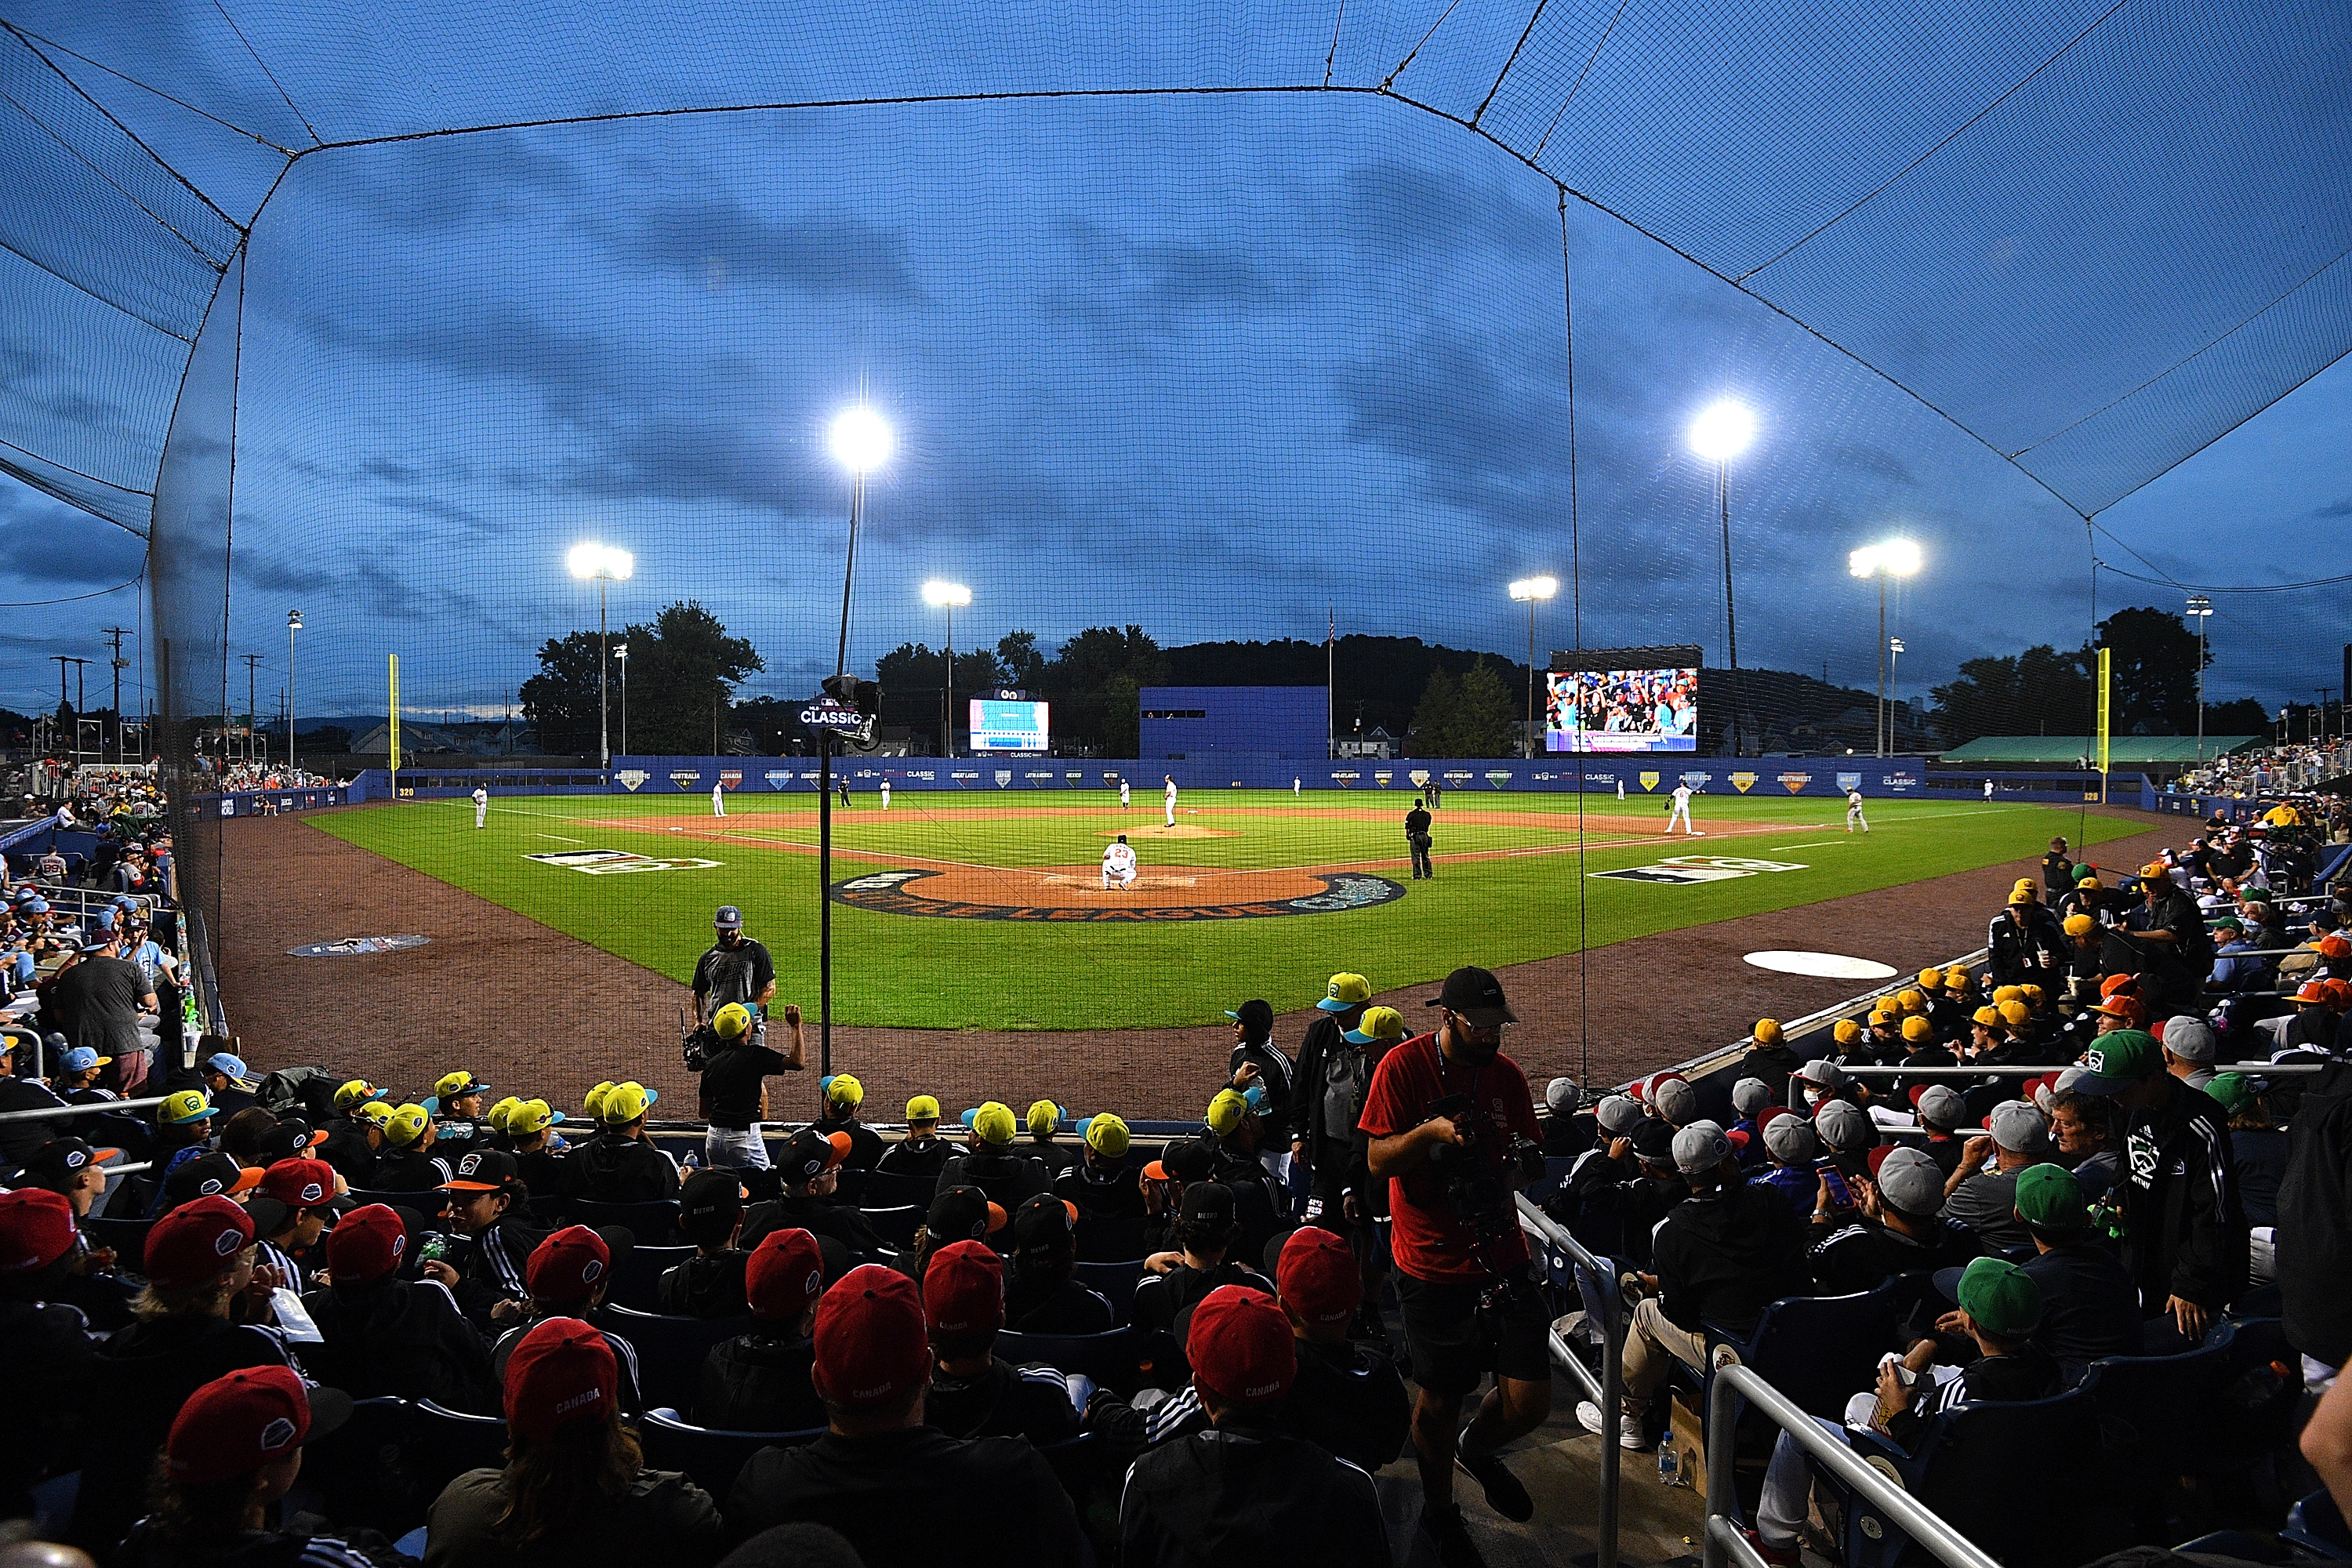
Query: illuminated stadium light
[950, 597]
[941, 595]
[1531, 592]
[1530, 588]
[602, 563]
[594, 560]
[1894, 557]
[861, 440]
[1722, 430]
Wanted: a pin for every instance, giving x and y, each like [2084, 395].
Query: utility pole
[81, 701]
[120, 664]
[251, 659]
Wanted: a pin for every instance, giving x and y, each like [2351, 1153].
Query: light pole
[1720, 433]
[1531, 592]
[1895, 693]
[621, 658]
[1896, 558]
[948, 596]
[2200, 610]
[293, 625]
[606, 564]
[861, 443]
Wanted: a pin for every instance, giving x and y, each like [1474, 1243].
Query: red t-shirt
[1429, 1242]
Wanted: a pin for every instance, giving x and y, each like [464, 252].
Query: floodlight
[1722, 430]
[861, 441]
[591, 560]
[1529, 588]
[941, 595]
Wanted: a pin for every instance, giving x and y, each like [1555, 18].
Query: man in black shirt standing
[735, 1090]
[734, 968]
[1417, 839]
[2057, 870]
[98, 1000]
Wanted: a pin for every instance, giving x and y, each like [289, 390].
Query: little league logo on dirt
[609, 862]
[354, 946]
[1052, 897]
[1684, 871]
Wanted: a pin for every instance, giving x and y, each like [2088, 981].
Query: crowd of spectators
[2270, 772]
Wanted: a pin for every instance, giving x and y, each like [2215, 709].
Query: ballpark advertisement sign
[1743, 783]
[1688, 870]
[1793, 783]
[1649, 781]
[685, 778]
[610, 862]
[633, 779]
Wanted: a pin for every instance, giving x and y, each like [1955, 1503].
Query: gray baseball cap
[1559, 1096]
[1751, 1096]
[2017, 1126]
[1941, 1108]
[1824, 1073]
[2189, 1039]
[1843, 1127]
[1911, 1183]
[1618, 1114]
[1675, 1101]
[1700, 1147]
[1790, 1140]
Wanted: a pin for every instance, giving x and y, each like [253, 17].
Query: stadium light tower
[621, 658]
[1533, 590]
[293, 625]
[1721, 432]
[861, 442]
[950, 597]
[606, 565]
[2200, 610]
[1895, 692]
[1896, 558]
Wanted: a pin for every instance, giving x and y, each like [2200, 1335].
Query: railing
[56, 1112]
[1725, 1545]
[1606, 1390]
[2016, 1070]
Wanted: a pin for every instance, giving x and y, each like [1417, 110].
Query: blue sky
[1216, 365]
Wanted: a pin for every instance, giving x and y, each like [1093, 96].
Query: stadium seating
[128, 1238]
[896, 1225]
[1818, 1349]
[711, 1457]
[670, 1351]
[359, 1474]
[652, 1225]
[442, 1444]
[1115, 1360]
[1110, 1240]
[2015, 1478]
[1117, 1281]
[636, 1275]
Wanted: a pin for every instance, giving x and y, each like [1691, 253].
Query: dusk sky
[1220, 365]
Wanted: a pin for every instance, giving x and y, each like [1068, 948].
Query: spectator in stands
[1652, 1193]
[2189, 1050]
[48, 1413]
[1793, 1149]
[959, 1214]
[575, 1489]
[538, 1150]
[385, 1336]
[879, 1475]
[2168, 932]
[2083, 1126]
[2184, 1226]
[97, 1001]
[922, 1151]
[78, 1072]
[242, 1135]
[233, 1449]
[1261, 1198]
[2233, 967]
[1191, 1503]
[1102, 1184]
[1750, 1098]
[1845, 1130]
[199, 1260]
[485, 1200]
[19, 1139]
[1719, 1260]
[2258, 1151]
[990, 1162]
[844, 1097]
[1981, 1192]
[1567, 1131]
[2057, 870]
[227, 1083]
[569, 1274]
[621, 1164]
[1045, 1121]
[1256, 1061]
[2262, 924]
[2001, 1308]
[2090, 1305]
[809, 1166]
[758, 1381]
[1821, 1081]
[1328, 1073]
[354, 1137]
[1941, 1110]
[2314, 1025]
[710, 1283]
[972, 1393]
[2025, 944]
[406, 1163]
[735, 1085]
[290, 1209]
[69, 1168]
[204, 1176]
[1173, 1283]
[1043, 1295]
[1770, 1057]
[1894, 1229]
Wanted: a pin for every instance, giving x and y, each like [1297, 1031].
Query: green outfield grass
[1517, 899]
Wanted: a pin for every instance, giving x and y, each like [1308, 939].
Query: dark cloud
[719, 241]
[1125, 283]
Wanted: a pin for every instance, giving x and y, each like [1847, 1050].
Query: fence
[1563, 1253]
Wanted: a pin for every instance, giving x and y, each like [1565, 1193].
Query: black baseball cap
[483, 1170]
[291, 1137]
[1044, 1224]
[962, 1214]
[1476, 995]
[59, 1163]
[205, 1176]
[1256, 1016]
[1653, 1139]
[1194, 1160]
[709, 1194]
[1209, 1202]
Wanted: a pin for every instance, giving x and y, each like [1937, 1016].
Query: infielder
[1681, 812]
[886, 795]
[1122, 794]
[1620, 786]
[1988, 789]
[1168, 797]
[1119, 865]
[1854, 811]
[718, 800]
[841, 782]
[481, 806]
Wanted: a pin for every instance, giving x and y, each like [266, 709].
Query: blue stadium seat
[1820, 1351]
[636, 1275]
[2316, 1525]
[653, 1225]
[849, 1185]
[2144, 1403]
[896, 1226]
[1110, 1240]
[1117, 1281]
[1114, 1360]
[1556, 1169]
[358, 1473]
[670, 1351]
[442, 1444]
[117, 1130]
[2013, 1479]
[2251, 1413]
[428, 1204]
[710, 1458]
[893, 1187]
[126, 1236]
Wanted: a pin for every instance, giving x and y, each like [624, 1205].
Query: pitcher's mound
[1182, 830]
[1076, 893]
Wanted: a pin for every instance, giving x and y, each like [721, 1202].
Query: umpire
[1416, 833]
[734, 968]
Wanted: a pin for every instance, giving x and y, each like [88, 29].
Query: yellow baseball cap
[2015, 1014]
[2079, 925]
[375, 1111]
[1376, 1025]
[2007, 993]
[407, 1125]
[1044, 1116]
[625, 1102]
[1930, 979]
[1958, 977]
[2092, 882]
[496, 1114]
[1766, 1032]
[1225, 1111]
[2031, 994]
[1845, 1032]
[593, 1102]
[843, 1090]
[993, 1122]
[359, 1091]
[2021, 894]
[1108, 1135]
[730, 1022]
[451, 1086]
[1342, 992]
[923, 1108]
[1918, 1029]
[188, 1105]
[1989, 1017]
[528, 1116]
[1910, 1001]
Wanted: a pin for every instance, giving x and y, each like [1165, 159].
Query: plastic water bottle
[1670, 1462]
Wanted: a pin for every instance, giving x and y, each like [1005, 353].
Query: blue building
[1235, 722]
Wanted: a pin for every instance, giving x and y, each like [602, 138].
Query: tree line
[2153, 663]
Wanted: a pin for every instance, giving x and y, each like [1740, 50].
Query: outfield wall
[1714, 776]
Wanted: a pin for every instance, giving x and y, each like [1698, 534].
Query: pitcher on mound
[1682, 811]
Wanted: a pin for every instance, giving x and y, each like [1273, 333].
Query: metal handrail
[104, 1106]
[1607, 1390]
[1725, 1543]
[2017, 1070]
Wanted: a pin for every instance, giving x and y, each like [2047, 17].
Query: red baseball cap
[365, 1245]
[567, 1266]
[36, 1228]
[2114, 983]
[1240, 1346]
[870, 1343]
[195, 1242]
[1318, 1277]
[301, 1183]
[562, 1371]
[235, 1424]
[785, 1275]
[963, 1291]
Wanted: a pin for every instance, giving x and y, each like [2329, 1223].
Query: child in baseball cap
[233, 1449]
[873, 1354]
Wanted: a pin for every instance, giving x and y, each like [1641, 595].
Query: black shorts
[1454, 1346]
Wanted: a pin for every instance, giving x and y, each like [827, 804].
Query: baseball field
[988, 911]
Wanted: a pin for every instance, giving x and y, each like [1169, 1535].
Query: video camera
[1481, 1193]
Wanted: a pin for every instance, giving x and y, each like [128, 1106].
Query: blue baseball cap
[729, 918]
[222, 1062]
[81, 1058]
[106, 920]
[37, 905]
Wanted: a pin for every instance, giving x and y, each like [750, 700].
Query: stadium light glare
[591, 559]
[861, 440]
[1722, 430]
[940, 594]
[1531, 592]
[1527, 588]
[1892, 558]
[602, 564]
[947, 597]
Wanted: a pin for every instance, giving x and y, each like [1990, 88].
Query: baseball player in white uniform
[1168, 797]
[1122, 794]
[481, 804]
[1682, 811]
[1853, 818]
[1620, 786]
[718, 800]
[886, 795]
[1119, 865]
[1988, 789]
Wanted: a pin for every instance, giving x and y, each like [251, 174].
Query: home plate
[1822, 965]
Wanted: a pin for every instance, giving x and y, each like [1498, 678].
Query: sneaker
[1451, 1536]
[1505, 1495]
[1787, 1556]
[1629, 1428]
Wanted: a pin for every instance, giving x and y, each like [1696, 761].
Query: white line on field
[559, 839]
[1816, 844]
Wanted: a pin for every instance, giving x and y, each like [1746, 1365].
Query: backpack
[309, 1090]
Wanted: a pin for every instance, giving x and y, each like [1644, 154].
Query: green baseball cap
[2085, 869]
[2232, 1090]
[2049, 1198]
[2002, 1299]
[2119, 1060]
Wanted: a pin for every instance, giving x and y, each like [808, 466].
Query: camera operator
[1453, 1131]
[734, 968]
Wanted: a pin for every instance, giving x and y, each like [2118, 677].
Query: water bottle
[1670, 1462]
